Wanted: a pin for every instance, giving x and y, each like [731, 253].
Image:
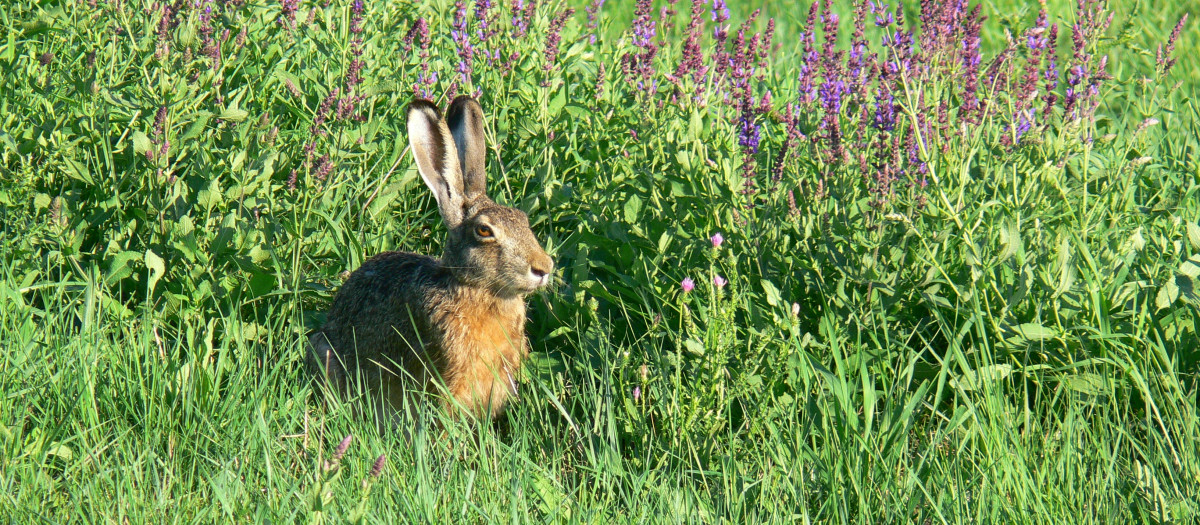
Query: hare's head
[489, 246]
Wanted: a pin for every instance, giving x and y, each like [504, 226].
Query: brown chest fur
[483, 343]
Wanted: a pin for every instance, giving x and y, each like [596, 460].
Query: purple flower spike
[719, 281]
[637, 393]
[688, 284]
[717, 239]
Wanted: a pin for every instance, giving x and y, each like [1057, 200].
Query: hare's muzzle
[540, 269]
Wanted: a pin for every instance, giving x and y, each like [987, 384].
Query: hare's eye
[483, 231]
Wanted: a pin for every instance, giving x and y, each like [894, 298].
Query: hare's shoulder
[389, 278]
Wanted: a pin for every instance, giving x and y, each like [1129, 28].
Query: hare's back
[382, 299]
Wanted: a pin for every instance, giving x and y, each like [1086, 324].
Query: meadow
[859, 263]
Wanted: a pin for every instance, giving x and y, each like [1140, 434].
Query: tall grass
[930, 293]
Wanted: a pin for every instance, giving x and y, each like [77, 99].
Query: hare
[406, 324]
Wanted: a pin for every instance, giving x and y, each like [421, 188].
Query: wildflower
[342, 447]
[1163, 59]
[719, 281]
[691, 59]
[795, 309]
[637, 393]
[971, 108]
[322, 168]
[717, 239]
[354, 71]
[600, 82]
[1050, 75]
[720, 15]
[687, 284]
[639, 64]
[593, 12]
[555, 37]
[487, 21]
[377, 467]
[426, 78]
[160, 121]
[810, 62]
[291, 87]
[287, 13]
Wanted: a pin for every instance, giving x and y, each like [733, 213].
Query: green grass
[1022, 348]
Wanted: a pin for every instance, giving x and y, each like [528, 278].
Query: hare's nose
[541, 269]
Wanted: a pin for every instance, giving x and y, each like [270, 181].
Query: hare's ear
[465, 118]
[437, 159]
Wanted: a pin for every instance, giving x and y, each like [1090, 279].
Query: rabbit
[407, 324]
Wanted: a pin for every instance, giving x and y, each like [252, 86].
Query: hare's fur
[405, 324]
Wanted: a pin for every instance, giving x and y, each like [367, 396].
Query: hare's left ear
[465, 119]
[437, 160]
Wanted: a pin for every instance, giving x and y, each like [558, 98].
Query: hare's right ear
[437, 159]
[465, 120]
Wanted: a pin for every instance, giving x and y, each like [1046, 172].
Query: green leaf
[258, 254]
[1167, 295]
[1035, 332]
[157, 268]
[1084, 383]
[141, 143]
[1193, 232]
[118, 267]
[233, 114]
[633, 205]
[77, 171]
[1191, 267]
[695, 125]
[193, 131]
[1010, 240]
[557, 101]
[773, 297]
[11, 48]
[973, 379]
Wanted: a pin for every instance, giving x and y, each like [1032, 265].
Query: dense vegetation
[920, 263]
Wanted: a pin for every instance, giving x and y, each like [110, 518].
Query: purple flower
[554, 38]
[971, 58]
[687, 284]
[719, 281]
[637, 393]
[639, 64]
[749, 134]
[885, 110]
[342, 447]
[593, 22]
[717, 239]
[377, 467]
[720, 11]
[287, 13]
[1163, 59]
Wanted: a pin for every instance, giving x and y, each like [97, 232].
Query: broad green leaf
[141, 143]
[118, 266]
[773, 297]
[157, 268]
[1035, 332]
[1167, 295]
[633, 205]
[1193, 232]
[233, 114]
[974, 379]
